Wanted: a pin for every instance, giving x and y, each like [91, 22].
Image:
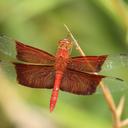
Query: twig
[124, 123]
[120, 106]
[75, 41]
[116, 112]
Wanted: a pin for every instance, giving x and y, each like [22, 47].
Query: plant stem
[116, 112]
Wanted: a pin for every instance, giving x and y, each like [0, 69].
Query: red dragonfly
[36, 68]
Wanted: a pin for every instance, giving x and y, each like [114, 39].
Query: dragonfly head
[65, 44]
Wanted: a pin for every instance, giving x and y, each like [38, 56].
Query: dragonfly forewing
[7, 48]
[115, 62]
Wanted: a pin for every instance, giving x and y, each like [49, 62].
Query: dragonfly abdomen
[55, 90]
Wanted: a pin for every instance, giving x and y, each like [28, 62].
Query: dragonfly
[36, 68]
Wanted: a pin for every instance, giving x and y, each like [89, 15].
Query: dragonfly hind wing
[80, 83]
[114, 85]
[35, 76]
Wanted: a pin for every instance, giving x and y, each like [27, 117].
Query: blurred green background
[100, 26]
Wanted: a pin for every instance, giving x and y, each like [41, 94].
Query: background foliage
[99, 26]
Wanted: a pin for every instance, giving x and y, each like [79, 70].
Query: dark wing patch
[87, 63]
[35, 76]
[33, 55]
[80, 83]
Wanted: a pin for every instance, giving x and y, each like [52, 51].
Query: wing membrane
[116, 62]
[7, 48]
[80, 83]
[35, 76]
[87, 63]
[33, 55]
